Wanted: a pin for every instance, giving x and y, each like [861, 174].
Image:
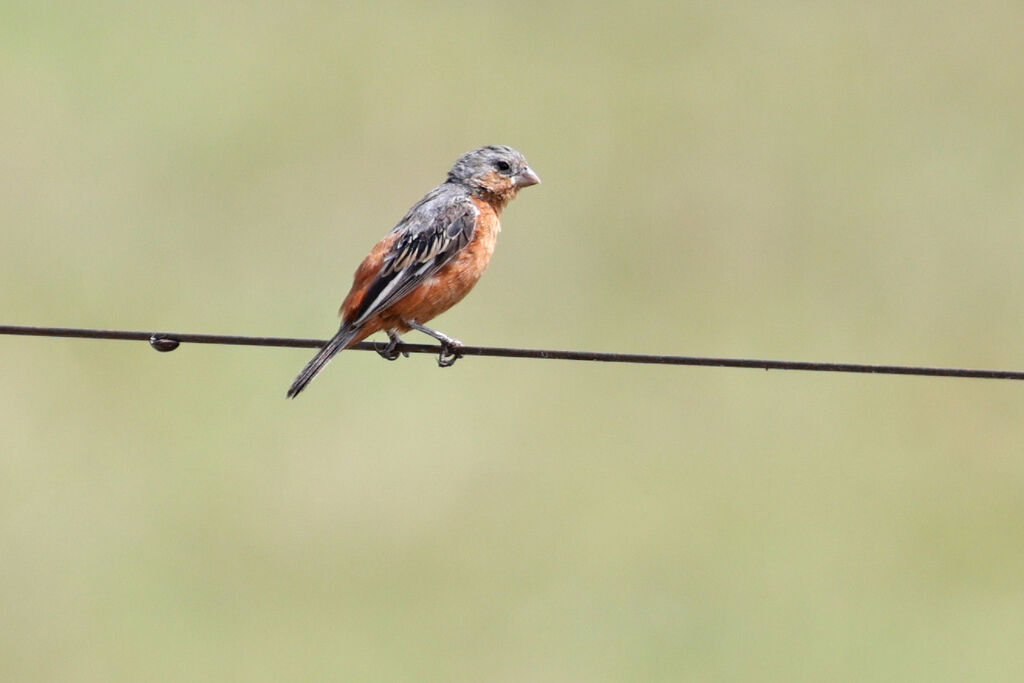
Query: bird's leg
[390, 350]
[450, 347]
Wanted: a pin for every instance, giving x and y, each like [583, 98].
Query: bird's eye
[502, 165]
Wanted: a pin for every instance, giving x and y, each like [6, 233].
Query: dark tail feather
[337, 343]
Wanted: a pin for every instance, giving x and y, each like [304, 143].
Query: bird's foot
[451, 351]
[451, 348]
[390, 351]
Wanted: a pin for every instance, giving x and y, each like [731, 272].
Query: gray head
[493, 170]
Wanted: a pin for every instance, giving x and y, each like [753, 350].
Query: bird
[430, 260]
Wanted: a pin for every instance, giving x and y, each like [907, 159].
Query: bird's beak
[527, 178]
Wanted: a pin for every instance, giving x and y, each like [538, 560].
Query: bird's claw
[390, 350]
[451, 351]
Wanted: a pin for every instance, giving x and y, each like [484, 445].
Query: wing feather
[429, 236]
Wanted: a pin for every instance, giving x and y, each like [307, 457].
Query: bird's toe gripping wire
[390, 351]
[451, 351]
[451, 348]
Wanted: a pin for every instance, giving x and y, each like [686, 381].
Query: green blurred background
[820, 181]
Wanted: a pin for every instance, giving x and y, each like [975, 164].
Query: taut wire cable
[168, 341]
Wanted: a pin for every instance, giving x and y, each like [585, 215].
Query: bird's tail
[338, 342]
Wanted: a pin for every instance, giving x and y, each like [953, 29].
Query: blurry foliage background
[824, 181]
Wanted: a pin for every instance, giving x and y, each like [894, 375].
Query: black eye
[502, 165]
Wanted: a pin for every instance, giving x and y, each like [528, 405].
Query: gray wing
[431, 233]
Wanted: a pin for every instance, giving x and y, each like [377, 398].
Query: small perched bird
[430, 260]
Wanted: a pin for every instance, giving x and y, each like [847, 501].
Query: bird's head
[495, 172]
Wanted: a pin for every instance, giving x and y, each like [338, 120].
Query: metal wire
[168, 341]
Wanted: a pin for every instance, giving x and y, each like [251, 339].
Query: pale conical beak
[527, 178]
